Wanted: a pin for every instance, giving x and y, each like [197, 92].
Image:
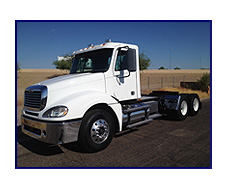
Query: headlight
[56, 112]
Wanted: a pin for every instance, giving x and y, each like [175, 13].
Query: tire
[96, 131]
[194, 105]
[182, 112]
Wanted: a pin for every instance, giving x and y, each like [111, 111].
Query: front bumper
[51, 132]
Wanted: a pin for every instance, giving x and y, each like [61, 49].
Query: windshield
[93, 61]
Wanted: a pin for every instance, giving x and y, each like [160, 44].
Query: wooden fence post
[173, 82]
[148, 82]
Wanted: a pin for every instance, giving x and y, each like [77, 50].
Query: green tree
[64, 64]
[177, 68]
[144, 61]
[204, 82]
[161, 68]
[18, 67]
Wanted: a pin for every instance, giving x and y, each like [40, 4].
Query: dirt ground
[160, 143]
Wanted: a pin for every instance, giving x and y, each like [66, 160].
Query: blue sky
[39, 43]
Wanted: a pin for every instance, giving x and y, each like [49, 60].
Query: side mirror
[130, 60]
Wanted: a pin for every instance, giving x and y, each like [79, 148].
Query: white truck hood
[72, 80]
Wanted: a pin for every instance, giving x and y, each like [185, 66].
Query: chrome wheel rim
[99, 131]
[184, 108]
[195, 104]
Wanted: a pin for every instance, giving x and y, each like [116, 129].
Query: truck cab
[100, 97]
[119, 64]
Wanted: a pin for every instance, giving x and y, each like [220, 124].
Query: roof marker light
[107, 40]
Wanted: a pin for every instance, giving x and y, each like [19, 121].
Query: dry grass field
[170, 80]
[155, 79]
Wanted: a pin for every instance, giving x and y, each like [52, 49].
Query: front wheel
[96, 131]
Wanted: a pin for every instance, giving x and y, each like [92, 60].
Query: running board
[151, 117]
[145, 107]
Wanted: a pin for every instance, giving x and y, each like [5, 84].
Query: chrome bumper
[51, 132]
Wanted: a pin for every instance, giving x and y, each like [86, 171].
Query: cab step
[151, 117]
[139, 123]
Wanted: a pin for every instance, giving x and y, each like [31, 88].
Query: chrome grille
[32, 99]
[35, 97]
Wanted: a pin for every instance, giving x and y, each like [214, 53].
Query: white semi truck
[100, 97]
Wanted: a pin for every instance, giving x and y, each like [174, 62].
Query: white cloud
[52, 30]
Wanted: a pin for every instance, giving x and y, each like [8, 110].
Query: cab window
[120, 62]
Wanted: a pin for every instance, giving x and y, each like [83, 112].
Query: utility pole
[200, 62]
[170, 56]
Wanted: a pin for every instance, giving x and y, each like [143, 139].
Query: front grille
[35, 97]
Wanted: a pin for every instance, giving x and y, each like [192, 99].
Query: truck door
[125, 77]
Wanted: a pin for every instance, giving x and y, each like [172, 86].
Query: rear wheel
[182, 112]
[194, 105]
[96, 131]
